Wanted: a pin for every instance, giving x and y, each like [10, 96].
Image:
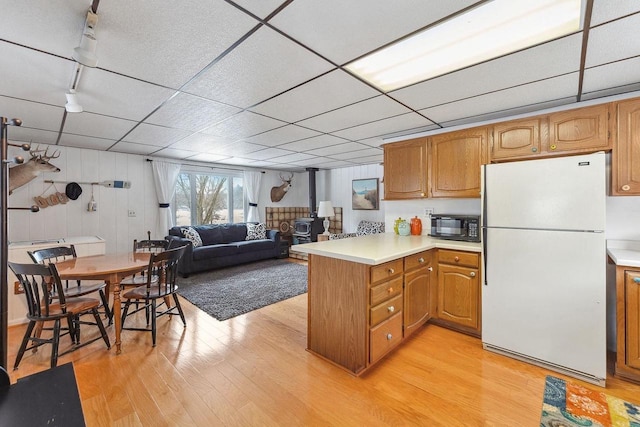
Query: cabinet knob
[422, 194]
[456, 259]
[389, 336]
[472, 274]
[553, 146]
[626, 187]
[390, 290]
[534, 149]
[636, 279]
[421, 260]
[391, 271]
[430, 268]
[391, 309]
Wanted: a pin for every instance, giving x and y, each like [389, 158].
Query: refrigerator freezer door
[566, 193]
[545, 297]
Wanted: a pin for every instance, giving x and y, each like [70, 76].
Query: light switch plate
[132, 213]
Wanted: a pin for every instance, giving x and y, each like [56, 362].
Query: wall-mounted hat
[73, 190]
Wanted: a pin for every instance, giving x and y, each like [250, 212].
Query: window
[209, 199]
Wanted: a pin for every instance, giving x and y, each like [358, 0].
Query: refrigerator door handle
[484, 254]
[484, 223]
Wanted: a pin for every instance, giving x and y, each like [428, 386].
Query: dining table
[111, 268]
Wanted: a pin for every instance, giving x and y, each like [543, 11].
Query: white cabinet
[85, 246]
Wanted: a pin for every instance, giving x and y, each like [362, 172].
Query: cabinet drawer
[386, 271]
[384, 291]
[385, 310]
[468, 259]
[385, 336]
[420, 259]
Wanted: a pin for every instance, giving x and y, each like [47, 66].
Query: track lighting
[72, 105]
[85, 54]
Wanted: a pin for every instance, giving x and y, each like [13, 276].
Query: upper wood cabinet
[625, 164]
[519, 138]
[455, 163]
[583, 129]
[405, 170]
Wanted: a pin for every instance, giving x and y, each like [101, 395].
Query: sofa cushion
[255, 245]
[233, 232]
[191, 234]
[256, 231]
[370, 227]
[211, 234]
[212, 251]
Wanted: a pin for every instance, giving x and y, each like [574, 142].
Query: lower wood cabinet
[628, 323]
[419, 291]
[459, 290]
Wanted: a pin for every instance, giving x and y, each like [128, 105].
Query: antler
[45, 157]
[286, 179]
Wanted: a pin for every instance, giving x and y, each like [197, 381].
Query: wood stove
[306, 230]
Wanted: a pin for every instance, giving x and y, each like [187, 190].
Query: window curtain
[251, 182]
[165, 177]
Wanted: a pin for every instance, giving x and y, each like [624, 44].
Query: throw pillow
[256, 231]
[192, 234]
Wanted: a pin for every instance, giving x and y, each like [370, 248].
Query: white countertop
[378, 248]
[624, 252]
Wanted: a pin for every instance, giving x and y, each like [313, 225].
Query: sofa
[364, 227]
[213, 246]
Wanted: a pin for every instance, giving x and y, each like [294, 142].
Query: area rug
[567, 404]
[231, 291]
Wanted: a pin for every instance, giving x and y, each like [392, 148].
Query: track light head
[72, 105]
[85, 54]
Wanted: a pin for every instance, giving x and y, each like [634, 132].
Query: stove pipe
[312, 192]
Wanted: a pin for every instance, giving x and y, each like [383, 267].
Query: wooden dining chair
[61, 253]
[40, 282]
[151, 246]
[163, 266]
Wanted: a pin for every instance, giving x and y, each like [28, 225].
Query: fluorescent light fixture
[72, 105]
[491, 30]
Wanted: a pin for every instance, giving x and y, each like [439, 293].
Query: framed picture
[364, 194]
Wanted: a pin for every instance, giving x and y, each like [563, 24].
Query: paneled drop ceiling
[261, 83]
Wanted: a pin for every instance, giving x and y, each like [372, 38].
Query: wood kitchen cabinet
[625, 161]
[459, 290]
[628, 323]
[405, 170]
[455, 162]
[519, 138]
[580, 130]
[419, 291]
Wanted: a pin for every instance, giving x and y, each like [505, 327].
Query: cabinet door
[626, 153]
[418, 298]
[584, 129]
[458, 295]
[632, 317]
[405, 169]
[456, 158]
[518, 138]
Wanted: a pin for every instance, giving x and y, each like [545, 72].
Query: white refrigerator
[544, 251]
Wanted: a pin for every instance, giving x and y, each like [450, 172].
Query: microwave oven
[456, 227]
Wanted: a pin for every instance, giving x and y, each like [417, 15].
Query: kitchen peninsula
[369, 293]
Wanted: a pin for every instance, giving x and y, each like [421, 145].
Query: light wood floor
[253, 370]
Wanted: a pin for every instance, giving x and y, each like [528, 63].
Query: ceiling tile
[293, 158]
[357, 155]
[174, 153]
[243, 125]
[173, 45]
[325, 26]
[90, 124]
[240, 147]
[236, 161]
[505, 101]
[282, 135]
[201, 142]
[373, 142]
[80, 141]
[159, 136]
[266, 154]
[262, 8]
[606, 10]
[333, 90]
[336, 149]
[540, 62]
[208, 157]
[612, 75]
[190, 112]
[363, 112]
[379, 158]
[32, 114]
[262, 66]
[24, 134]
[311, 143]
[607, 45]
[386, 126]
[333, 164]
[133, 148]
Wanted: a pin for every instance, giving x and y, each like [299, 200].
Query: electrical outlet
[132, 213]
[17, 288]
[428, 211]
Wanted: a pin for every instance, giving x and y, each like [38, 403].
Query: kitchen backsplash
[410, 208]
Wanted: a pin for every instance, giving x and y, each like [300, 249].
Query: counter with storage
[368, 294]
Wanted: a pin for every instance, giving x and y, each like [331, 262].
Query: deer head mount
[39, 162]
[277, 193]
